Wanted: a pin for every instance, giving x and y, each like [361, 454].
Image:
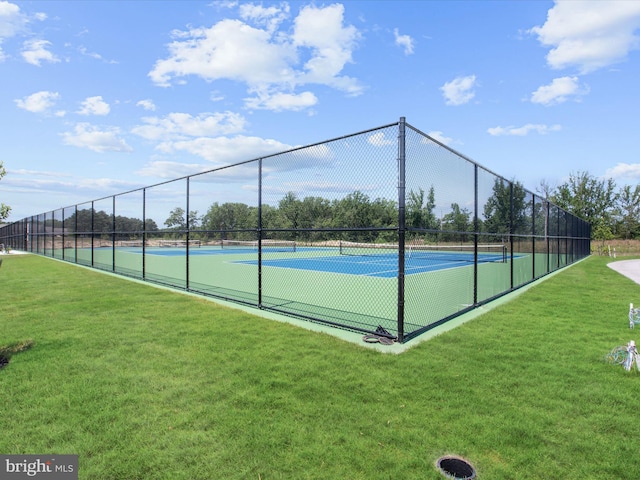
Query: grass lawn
[145, 383]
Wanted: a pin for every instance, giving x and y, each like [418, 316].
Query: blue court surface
[381, 265]
[367, 266]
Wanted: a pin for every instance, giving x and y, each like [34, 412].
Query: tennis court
[372, 260]
[348, 284]
[379, 260]
[445, 234]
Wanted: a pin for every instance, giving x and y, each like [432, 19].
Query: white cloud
[38, 102]
[229, 49]
[97, 56]
[12, 20]
[378, 140]
[24, 171]
[38, 183]
[524, 130]
[439, 136]
[589, 34]
[459, 91]
[629, 171]
[91, 137]
[183, 125]
[208, 135]
[267, 55]
[94, 106]
[269, 17]
[559, 91]
[281, 101]
[147, 105]
[226, 150]
[331, 43]
[171, 170]
[216, 96]
[35, 52]
[404, 41]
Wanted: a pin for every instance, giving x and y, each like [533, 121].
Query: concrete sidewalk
[628, 268]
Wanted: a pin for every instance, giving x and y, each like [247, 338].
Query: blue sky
[98, 98]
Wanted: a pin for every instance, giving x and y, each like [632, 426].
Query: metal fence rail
[383, 228]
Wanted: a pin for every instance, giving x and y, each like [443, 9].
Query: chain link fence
[385, 230]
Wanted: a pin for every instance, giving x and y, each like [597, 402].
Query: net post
[401, 225]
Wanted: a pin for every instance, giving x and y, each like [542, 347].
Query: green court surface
[318, 283]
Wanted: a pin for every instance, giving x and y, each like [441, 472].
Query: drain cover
[456, 468]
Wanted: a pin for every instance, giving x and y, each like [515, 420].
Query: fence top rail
[401, 121]
[223, 167]
[470, 160]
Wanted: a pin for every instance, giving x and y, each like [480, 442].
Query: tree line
[357, 217]
[612, 213]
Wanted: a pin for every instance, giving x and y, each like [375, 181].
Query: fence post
[187, 235]
[533, 235]
[144, 233]
[511, 231]
[93, 232]
[75, 233]
[259, 233]
[401, 226]
[113, 234]
[476, 228]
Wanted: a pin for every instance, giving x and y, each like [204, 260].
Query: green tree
[430, 219]
[4, 209]
[270, 217]
[289, 208]
[414, 215]
[384, 214]
[629, 211]
[81, 221]
[354, 211]
[419, 212]
[315, 213]
[498, 216]
[236, 221]
[178, 221]
[458, 220]
[591, 199]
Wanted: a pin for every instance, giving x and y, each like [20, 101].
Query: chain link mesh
[387, 230]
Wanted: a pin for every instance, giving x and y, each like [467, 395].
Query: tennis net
[453, 253]
[178, 243]
[268, 245]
